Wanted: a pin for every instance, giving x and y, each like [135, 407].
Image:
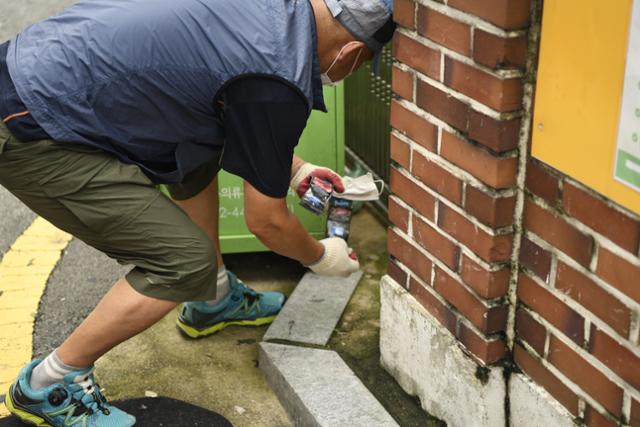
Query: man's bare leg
[121, 314]
[124, 312]
[203, 211]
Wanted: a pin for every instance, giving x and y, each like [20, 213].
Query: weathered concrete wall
[430, 363]
[531, 405]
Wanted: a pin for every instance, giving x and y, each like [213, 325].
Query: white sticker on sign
[627, 165]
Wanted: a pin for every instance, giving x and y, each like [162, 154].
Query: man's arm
[296, 164]
[264, 119]
[281, 231]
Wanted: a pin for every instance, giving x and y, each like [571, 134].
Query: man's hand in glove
[338, 259]
[301, 178]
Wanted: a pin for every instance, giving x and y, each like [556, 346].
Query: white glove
[300, 181]
[336, 260]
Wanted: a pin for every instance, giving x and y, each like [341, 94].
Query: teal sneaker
[76, 402]
[241, 306]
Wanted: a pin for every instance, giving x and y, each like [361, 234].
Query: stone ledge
[317, 388]
[314, 309]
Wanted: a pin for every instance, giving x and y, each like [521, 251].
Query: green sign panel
[627, 167]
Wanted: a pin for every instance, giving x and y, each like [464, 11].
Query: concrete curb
[314, 309]
[315, 386]
[318, 389]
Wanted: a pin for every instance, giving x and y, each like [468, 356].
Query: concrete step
[317, 388]
[314, 309]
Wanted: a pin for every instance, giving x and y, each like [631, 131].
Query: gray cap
[370, 21]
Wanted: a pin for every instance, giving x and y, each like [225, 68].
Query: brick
[494, 171]
[585, 375]
[508, 14]
[416, 55]
[489, 248]
[437, 309]
[400, 152]
[499, 52]
[556, 312]
[402, 83]
[404, 13]
[530, 330]
[497, 135]
[404, 252]
[398, 215]
[397, 274]
[437, 244]
[487, 284]
[414, 126]
[593, 212]
[495, 212]
[594, 419]
[488, 351]
[488, 320]
[591, 296]
[635, 413]
[542, 183]
[616, 357]
[535, 259]
[558, 233]
[444, 30]
[619, 273]
[542, 376]
[412, 194]
[442, 105]
[437, 178]
[502, 95]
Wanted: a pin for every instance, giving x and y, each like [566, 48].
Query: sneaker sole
[25, 416]
[191, 332]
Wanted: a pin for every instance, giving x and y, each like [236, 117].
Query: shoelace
[89, 395]
[251, 299]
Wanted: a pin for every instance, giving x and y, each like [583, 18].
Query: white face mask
[362, 188]
[326, 80]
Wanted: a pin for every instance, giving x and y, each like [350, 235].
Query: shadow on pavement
[157, 412]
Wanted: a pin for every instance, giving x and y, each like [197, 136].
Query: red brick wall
[456, 115]
[458, 97]
[579, 298]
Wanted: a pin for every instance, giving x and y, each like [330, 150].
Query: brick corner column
[456, 118]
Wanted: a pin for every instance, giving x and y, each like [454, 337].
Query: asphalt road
[17, 14]
[14, 219]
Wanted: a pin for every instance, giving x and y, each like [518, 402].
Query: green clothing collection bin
[322, 143]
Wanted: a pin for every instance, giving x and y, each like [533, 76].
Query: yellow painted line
[24, 271]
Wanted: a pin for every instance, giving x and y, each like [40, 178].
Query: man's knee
[187, 273]
[198, 271]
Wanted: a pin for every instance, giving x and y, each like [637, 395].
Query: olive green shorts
[115, 208]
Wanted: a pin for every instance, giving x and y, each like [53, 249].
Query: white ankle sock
[50, 371]
[223, 286]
